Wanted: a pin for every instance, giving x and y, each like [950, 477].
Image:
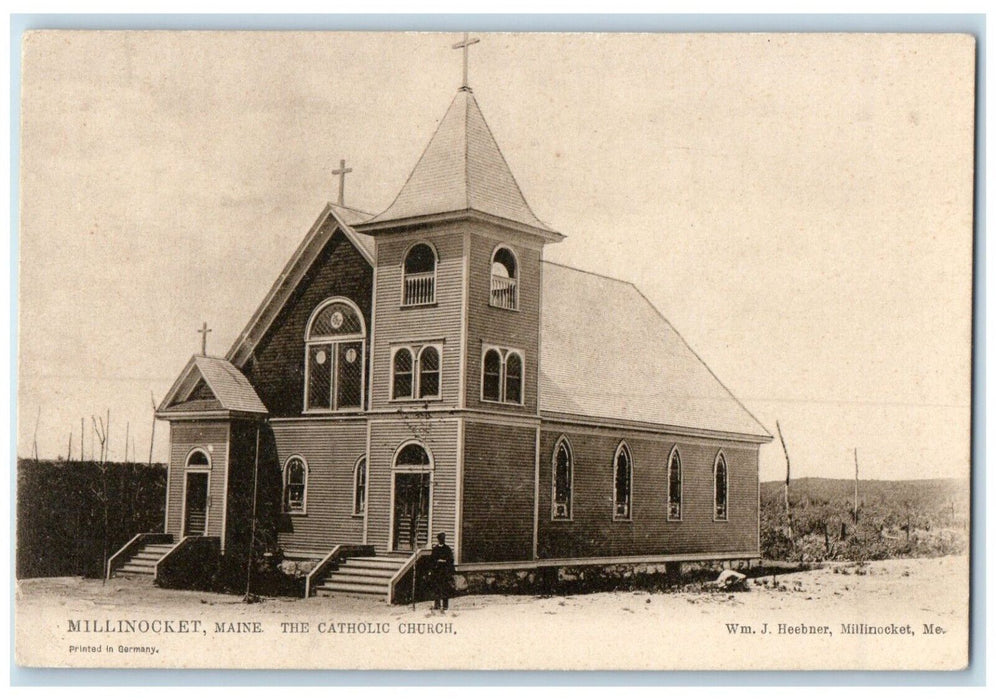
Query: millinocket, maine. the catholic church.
[424, 370]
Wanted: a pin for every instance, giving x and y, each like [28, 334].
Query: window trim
[335, 341]
[415, 349]
[622, 448]
[366, 479]
[503, 353]
[283, 490]
[435, 275]
[518, 268]
[413, 467]
[720, 457]
[197, 467]
[562, 440]
[439, 372]
[681, 487]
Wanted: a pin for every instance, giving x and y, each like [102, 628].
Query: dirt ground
[915, 614]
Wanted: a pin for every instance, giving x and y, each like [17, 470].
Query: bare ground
[688, 628]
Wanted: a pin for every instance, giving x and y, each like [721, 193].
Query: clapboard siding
[487, 324]
[593, 532]
[498, 493]
[212, 437]
[440, 437]
[442, 320]
[276, 368]
[331, 450]
[242, 462]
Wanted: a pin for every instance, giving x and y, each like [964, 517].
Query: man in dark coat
[442, 572]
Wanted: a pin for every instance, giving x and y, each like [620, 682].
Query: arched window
[722, 490]
[563, 480]
[198, 459]
[492, 375]
[419, 276]
[412, 455]
[428, 372]
[674, 486]
[335, 363]
[513, 378]
[404, 374]
[295, 485]
[360, 486]
[504, 279]
[623, 483]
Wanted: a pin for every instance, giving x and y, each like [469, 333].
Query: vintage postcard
[494, 351]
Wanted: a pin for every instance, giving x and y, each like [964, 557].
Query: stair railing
[405, 568]
[131, 547]
[339, 552]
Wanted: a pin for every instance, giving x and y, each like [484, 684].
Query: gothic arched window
[674, 486]
[563, 480]
[622, 484]
[722, 488]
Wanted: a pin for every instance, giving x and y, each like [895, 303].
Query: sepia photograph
[484, 350]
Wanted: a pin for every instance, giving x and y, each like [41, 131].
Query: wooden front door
[411, 511]
[195, 518]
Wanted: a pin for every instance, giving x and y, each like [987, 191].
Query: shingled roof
[462, 169]
[608, 353]
[230, 388]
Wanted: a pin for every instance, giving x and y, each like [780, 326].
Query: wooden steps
[368, 576]
[143, 562]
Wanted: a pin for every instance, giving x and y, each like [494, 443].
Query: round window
[336, 319]
[320, 357]
[351, 356]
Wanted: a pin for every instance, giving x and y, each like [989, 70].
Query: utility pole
[788, 478]
[855, 485]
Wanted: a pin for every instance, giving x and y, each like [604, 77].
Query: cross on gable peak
[204, 330]
[342, 171]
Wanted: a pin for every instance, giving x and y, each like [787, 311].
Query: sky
[799, 207]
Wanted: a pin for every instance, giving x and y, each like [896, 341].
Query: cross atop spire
[465, 44]
[341, 171]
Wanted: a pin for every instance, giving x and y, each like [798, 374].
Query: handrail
[337, 553]
[130, 546]
[409, 563]
[320, 569]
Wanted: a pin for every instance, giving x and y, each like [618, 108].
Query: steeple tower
[462, 173]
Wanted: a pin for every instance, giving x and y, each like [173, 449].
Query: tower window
[335, 357]
[502, 375]
[419, 276]
[504, 279]
[416, 372]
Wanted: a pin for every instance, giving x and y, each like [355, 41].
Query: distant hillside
[908, 518]
[921, 492]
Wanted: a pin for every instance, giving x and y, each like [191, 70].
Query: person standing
[442, 572]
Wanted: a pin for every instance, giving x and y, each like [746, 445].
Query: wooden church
[424, 370]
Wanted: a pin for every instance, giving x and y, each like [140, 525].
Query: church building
[423, 370]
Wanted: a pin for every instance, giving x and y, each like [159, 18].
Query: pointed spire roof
[462, 170]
